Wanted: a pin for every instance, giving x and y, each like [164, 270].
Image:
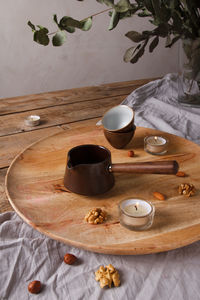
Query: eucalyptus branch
[52, 32]
[172, 20]
[91, 16]
[100, 12]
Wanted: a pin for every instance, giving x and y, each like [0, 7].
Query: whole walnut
[186, 189]
[96, 216]
[107, 276]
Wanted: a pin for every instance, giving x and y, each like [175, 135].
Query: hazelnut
[69, 259]
[34, 287]
[180, 174]
[131, 153]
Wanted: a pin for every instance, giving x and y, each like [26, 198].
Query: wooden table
[60, 110]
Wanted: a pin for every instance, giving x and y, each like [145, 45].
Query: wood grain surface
[59, 110]
[56, 98]
[58, 115]
[35, 190]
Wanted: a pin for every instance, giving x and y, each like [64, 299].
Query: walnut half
[107, 275]
[186, 189]
[96, 216]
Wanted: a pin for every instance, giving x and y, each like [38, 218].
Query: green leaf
[70, 29]
[174, 40]
[66, 22]
[31, 25]
[55, 19]
[154, 44]
[43, 29]
[41, 37]
[135, 36]
[69, 24]
[114, 20]
[140, 52]
[128, 13]
[147, 33]
[86, 24]
[144, 13]
[137, 56]
[130, 52]
[123, 6]
[107, 2]
[59, 38]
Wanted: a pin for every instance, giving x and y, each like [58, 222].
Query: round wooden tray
[35, 189]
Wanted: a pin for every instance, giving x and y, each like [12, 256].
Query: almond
[159, 196]
[180, 174]
[69, 259]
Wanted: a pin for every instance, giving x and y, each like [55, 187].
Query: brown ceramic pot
[89, 170]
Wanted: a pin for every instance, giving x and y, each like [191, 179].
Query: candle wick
[136, 207]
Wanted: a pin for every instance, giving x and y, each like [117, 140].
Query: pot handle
[152, 167]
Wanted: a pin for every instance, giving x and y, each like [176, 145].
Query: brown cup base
[119, 139]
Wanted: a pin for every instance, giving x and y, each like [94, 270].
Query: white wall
[87, 58]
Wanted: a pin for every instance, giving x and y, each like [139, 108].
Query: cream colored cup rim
[108, 111]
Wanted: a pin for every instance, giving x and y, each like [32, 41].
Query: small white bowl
[119, 118]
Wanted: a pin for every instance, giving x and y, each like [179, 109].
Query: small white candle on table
[136, 214]
[32, 120]
[156, 145]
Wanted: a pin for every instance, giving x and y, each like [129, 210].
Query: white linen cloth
[27, 255]
[156, 106]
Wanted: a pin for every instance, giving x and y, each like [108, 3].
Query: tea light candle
[156, 145]
[32, 120]
[136, 214]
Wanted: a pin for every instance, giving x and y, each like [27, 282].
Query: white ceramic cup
[120, 118]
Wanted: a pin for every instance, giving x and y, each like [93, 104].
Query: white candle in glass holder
[136, 214]
[155, 144]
